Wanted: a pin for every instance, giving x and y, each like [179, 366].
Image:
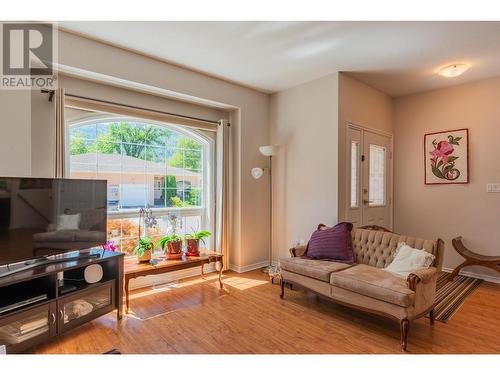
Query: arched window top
[96, 126]
[145, 163]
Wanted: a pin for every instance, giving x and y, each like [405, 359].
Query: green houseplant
[172, 245]
[193, 242]
[144, 249]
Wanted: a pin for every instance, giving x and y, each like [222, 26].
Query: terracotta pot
[193, 247]
[174, 250]
[146, 257]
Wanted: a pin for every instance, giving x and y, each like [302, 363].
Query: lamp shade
[270, 150]
[257, 173]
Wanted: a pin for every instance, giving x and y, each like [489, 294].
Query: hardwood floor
[249, 317]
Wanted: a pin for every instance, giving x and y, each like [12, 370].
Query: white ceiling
[398, 58]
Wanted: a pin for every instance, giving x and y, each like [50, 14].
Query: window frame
[358, 171]
[207, 140]
[372, 202]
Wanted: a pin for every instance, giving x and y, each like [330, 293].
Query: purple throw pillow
[333, 244]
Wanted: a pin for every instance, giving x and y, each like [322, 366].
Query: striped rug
[450, 295]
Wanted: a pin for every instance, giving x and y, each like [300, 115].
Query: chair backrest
[376, 247]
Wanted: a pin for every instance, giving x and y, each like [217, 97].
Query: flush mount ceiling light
[453, 70]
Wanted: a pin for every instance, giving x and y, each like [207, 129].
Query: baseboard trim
[491, 279]
[250, 267]
[152, 280]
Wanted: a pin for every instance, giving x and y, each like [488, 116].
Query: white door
[158, 187]
[369, 177]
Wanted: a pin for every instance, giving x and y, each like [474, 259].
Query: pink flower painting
[446, 156]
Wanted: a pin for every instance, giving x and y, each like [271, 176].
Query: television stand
[39, 320]
[45, 261]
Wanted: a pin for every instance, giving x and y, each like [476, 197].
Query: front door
[369, 173]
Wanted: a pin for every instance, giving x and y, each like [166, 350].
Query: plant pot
[193, 247]
[146, 257]
[174, 250]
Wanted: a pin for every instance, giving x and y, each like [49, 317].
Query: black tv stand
[35, 322]
[45, 261]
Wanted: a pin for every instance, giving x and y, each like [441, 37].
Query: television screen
[43, 216]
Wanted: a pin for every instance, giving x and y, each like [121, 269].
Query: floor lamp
[257, 173]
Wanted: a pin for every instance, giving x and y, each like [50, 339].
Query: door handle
[53, 317]
[366, 201]
[61, 315]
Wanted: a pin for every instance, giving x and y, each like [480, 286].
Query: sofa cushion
[333, 244]
[376, 283]
[317, 269]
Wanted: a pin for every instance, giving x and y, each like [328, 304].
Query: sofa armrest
[422, 275]
[298, 251]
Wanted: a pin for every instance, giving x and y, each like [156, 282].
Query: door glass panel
[24, 329]
[377, 177]
[80, 307]
[354, 174]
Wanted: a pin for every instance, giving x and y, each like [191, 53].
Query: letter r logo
[26, 49]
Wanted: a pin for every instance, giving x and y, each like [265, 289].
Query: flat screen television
[40, 217]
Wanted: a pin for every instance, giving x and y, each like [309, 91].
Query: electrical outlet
[493, 188]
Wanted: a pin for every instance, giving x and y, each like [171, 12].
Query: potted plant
[193, 242]
[144, 249]
[172, 245]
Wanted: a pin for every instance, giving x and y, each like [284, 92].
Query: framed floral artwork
[446, 157]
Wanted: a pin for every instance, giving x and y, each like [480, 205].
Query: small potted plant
[193, 242]
[144, 249]
[172, 245]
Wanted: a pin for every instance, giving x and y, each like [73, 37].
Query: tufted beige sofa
[365, 285]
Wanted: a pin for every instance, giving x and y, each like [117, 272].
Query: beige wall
[249, 117]
[15, 133]
[446, 211]
[304, 122]
[362, 105]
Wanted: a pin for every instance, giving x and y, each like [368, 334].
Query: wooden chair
[472, 258]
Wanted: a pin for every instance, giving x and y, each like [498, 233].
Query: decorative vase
[174, 250]
[146, 257]
[193, 247]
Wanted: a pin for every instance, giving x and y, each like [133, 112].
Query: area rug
[450, 295]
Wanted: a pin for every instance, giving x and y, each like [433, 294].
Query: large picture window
[161, 166]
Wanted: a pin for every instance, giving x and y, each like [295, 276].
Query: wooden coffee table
[134, 269]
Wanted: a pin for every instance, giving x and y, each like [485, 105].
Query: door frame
[390, 184]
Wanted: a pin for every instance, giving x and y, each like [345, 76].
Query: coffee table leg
[220, 273]
[127, 280]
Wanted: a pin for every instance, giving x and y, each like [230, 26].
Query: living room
[289, 186]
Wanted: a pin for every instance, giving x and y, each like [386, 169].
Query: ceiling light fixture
[453, 70]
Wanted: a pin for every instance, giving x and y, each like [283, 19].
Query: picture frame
[446, 157]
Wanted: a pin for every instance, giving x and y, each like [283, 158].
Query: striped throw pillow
[334, 244]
